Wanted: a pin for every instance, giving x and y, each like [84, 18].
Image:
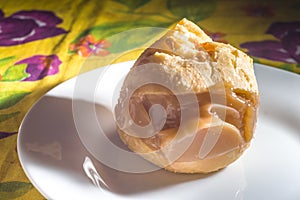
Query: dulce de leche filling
[220, 114]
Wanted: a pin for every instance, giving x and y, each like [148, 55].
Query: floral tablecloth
[43, 43]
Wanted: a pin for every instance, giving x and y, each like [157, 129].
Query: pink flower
[87, 46]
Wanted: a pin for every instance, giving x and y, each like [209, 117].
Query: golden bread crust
[189, 58]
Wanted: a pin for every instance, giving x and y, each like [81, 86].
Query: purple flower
[39, 66]
[26, 26]
[6, 134]
[258, 10]
[285, 49]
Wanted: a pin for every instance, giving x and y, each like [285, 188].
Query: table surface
[43, 44]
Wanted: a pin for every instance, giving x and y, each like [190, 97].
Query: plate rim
[27, 115]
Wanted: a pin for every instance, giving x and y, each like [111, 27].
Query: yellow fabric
[232, 21]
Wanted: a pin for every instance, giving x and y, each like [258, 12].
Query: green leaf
[4, 61]
[10, 98]
[191, 9]
[129, 40]
[133, 4]
[286, 66]
[15, 73]
[14, 189]
[4, 117]
[117, 33]
[105, 30]
[122, 39]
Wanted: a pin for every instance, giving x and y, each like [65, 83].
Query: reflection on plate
[60, 167]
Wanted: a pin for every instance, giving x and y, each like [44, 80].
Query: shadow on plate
[52, 142]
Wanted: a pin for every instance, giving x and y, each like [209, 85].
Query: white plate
[52, 154]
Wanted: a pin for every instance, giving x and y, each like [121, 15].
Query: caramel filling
[227, 109]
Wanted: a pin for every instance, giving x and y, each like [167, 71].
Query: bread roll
[208, 102]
